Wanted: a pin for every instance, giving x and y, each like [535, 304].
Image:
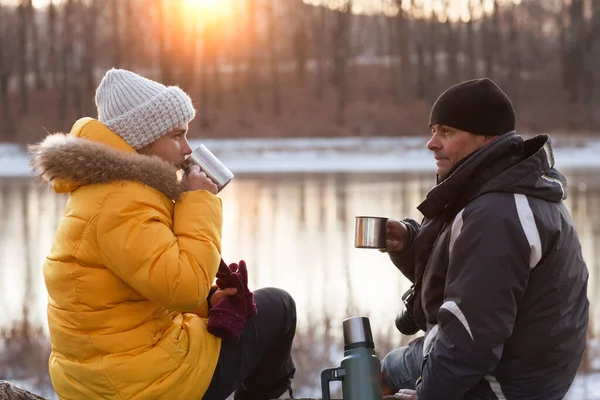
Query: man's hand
[397, 234]
[406, 394]
[221, 293]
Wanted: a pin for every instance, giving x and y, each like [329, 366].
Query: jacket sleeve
[404, 259]
[204, 308]
[489, 267]
[172, 266]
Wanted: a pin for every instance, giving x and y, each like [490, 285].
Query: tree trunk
[130, 33]
[452, 46]
[253, 74]
[163, 44]
[391, 48]
[204, 85]
[22, 57]
[337, 48]
[576, 67]
[189, 75]
[234, 56]
[421, 70]
[472, 65]
[36, 50]
[489, 45]
[406, 75]
[320, 43]
[217, 81]
[432, 73]
[343, 54]
[593, 63]
[301, 46]
[65, 61]
[77, 56]
[6, 60]
[115, 20]
[563, 46]
[53, 56]
[273, 58]
[515, 62]
[90, 45]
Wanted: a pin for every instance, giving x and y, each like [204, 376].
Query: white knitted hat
[140, 110]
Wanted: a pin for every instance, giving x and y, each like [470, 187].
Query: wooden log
[8, 391]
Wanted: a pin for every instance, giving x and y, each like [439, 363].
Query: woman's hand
[197, 180]
[221, 293]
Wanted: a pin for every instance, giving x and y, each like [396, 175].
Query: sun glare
[208, 8]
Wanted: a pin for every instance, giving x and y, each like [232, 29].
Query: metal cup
[357, 330]
[370, 232]
[210, 165]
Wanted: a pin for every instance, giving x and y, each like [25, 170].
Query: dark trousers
[259, 366]
[401, 368]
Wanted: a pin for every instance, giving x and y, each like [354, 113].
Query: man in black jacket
[500, 285]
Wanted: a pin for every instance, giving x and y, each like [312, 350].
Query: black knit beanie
[477, 106]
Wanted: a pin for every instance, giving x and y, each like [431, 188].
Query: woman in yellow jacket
[130, 271]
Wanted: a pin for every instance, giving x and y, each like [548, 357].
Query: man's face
[172, 147]
[450, 145]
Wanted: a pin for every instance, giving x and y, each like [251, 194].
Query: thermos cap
[357, 330]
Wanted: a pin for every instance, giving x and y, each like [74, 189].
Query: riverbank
[350, 154]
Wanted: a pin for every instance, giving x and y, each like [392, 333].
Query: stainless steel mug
[370, 232]
[210, 165]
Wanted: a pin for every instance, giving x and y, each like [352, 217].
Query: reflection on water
[294, 231]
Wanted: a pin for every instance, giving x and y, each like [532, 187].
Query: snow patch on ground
[292, 155]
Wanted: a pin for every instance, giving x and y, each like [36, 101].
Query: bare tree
[592, 58]
[236, 54]
[77, 62]
[515, 59]
[7, 51]
[452, 49]
[65, 59]
[403, 32]
[342, 43]
[216, 67]
[388, 37]
[273, 57]
[252, 75]
[115, 22]
[164, 53]
[53, 56]
[432, 73]
[563, 24]
[575, 48]
[490, 45]
[470, 51]
[421, 69]
[129, 37]
[205, 88]
[320, 27]
[189, 63]
[90, 38]
[35, 48]
[22, 57]
[300, 43]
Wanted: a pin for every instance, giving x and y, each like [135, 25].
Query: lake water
[295, 231]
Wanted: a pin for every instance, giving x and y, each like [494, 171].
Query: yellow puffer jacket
[131, 266]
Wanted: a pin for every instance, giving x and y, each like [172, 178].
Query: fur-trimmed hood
[70, 161]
